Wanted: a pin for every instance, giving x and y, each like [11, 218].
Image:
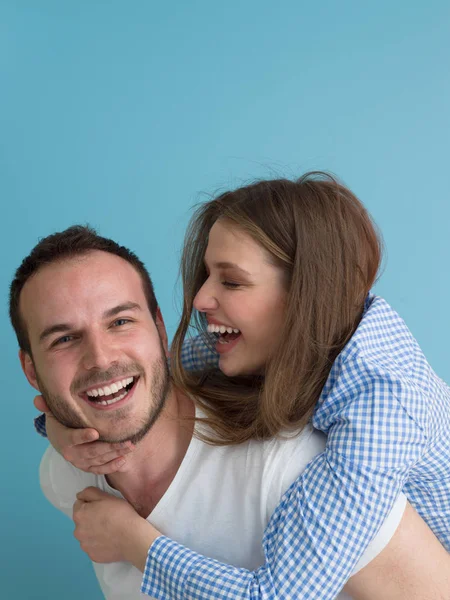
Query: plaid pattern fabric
[39, 425]
[196, 355]
[387, 418]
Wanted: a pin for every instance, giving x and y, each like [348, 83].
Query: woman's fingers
[98, 457]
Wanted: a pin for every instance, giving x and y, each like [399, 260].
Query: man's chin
[126, 434]
[117, 438]
[117, 433]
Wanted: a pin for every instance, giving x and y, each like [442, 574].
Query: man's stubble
[159, 389]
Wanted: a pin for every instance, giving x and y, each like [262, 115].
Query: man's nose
[206, 298]
[99, 352]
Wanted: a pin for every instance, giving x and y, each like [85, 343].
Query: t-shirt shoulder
[61, 481]
[285, 459]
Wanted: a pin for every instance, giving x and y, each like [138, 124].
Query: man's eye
[62, 340]
[119, 322]
[231, 285]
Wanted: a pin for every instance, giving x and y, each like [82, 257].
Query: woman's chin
[231, 368]
[228, 368]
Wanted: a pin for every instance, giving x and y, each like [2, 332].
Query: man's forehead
[97, 280]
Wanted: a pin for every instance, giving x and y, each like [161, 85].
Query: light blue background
[122, 114]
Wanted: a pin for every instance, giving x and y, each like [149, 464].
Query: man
[93, 342]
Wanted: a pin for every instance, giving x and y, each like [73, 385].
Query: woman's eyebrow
[229, 265]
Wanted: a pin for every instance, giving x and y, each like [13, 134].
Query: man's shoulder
[286, 458]
[61, 481]
[301, 445]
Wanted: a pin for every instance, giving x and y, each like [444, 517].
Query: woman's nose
[206, 299]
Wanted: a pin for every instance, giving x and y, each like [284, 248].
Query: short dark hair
[74, 241]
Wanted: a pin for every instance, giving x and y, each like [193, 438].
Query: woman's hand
[80, 448]
[110, 530]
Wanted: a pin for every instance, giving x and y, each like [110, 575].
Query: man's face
[98, 357]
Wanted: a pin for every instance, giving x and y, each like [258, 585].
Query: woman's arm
[412, 566]
[327, 518]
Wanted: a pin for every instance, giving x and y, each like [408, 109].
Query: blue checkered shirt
[387, 418]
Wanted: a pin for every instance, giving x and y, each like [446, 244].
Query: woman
[279, 272]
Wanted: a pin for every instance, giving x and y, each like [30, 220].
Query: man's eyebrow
[112, 312]
[230, 265]
[57, 328]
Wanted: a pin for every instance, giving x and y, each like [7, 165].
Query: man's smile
[113, 394]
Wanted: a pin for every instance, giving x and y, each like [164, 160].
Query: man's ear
[162, 331]
[28, 368]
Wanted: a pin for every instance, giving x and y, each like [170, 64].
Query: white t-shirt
[218, 504]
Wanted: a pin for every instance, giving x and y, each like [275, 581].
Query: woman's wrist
[138, 541]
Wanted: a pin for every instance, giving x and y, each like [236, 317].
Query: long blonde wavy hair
[322, 237]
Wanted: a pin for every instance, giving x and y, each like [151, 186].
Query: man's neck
[153, 464]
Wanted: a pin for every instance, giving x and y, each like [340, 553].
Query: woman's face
[243, 299]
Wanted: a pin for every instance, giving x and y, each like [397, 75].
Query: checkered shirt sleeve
[195, 356]
[39, 425]
[328, 516]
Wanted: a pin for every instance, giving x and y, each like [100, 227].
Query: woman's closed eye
[231, 285]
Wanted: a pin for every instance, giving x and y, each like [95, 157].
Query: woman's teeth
[212, 328]
[225, 334]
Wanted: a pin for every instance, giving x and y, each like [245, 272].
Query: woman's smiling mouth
[227, 336]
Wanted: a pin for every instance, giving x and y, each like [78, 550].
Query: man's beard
[159, 388]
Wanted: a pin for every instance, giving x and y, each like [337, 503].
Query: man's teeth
[107, 390]
[113, 400]
[212, 328]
